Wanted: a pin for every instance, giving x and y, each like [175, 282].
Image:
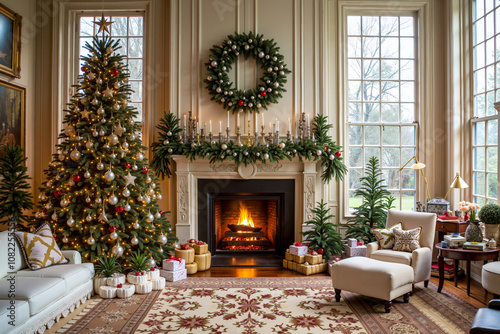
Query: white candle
[210, 126]
[308, 123]
[289, 125]
[277, 125]
[256, 123]
[220, 126]
[238, 119]
[185, 120]
[228, 118]
[263, 124]
[270, 126]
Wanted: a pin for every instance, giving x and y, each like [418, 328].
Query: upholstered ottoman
[490, 277]
[373, 278]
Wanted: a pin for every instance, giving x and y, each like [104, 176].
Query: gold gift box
[192, 268]
[186, 254]
[299, 258]
[288, 256]
[285, 263]
[314, 259]
[311, 268]
[200, 249]
[203, 260]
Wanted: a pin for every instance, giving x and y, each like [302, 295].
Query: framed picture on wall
[10, 42]
[12, 115]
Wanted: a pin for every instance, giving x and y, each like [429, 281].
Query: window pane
[354, 49]
[408, 179]
[371, 91]
[407, 69]
[389, 26]
[135, 47]
[389, 69]
[479, 184]
[479, 106]
[354, 201]
[406, 26]
[354, 112]
[135, 26]
[479, 133]
[355, 135]
[407, 112]
[135, 68]
[354, 25]
[408, 201]
[407, 91]
[354, 69]
[479, 159]
[372, 135]
[407, 47]
[391, 178]
[371, 47]
[371, 152]
[478, 53]
[492, 185]
[354, 91]
[371, 69]
[490, 103]
[371, 112]
[406, 154]
[354, 178]
[389, 48]
[390, 157]
[119, 27]
[390, 91]
[355, 157]
[87, 26]
[492, 159]
[137, 88]
[492, 132]
[390, 112]
[370, 25]
[390, 135]
[408, 135]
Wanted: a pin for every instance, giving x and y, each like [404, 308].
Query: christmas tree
[99, 196]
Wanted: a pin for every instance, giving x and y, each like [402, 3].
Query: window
[486, 90]
[129, 30]
[381, 102]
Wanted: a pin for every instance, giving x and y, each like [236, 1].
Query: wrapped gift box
[314, 259]
[174, 276]
[288, 256]
[351, 242]
[299, 258]
[459, 241]
[174, 264]
[298, 250]
[186, 254]
[355, 251]
[203, 260]
[192, 268]
[285, 263]
[200, 249]
[311, 268]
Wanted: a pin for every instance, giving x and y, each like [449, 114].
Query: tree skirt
[272, 305]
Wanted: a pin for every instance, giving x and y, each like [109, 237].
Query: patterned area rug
[283, 305]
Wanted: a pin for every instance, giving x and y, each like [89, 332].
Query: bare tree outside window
[130, 32]
[381, 102]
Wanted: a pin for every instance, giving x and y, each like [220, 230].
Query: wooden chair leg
[388, 306]
[406, 297]
[337, 294]
[412, 288]
[426, 283]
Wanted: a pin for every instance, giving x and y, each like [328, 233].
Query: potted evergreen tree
[15, 196]
[490, 216]
[377, 200]
[323, 236]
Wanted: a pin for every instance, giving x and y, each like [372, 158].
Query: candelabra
[202, 135]
[263, 135]
[220, 138]
[289, 136]
[238, 137]
[210, 138]
[277, 138]
[228, 131]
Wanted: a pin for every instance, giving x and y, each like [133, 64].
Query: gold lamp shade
[457, 183]
[419, 166]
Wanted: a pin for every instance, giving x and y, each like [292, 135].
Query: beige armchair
[421, 258]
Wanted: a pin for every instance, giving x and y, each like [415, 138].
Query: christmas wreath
[271, 83]
[324, 149]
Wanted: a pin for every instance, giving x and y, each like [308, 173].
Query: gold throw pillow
[39, 249]
[407, 241]
[385, 236]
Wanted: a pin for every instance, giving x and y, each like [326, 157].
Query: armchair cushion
[407, 240]
[389, 255]
[385, 236]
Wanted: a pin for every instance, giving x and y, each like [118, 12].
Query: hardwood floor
[478, 297]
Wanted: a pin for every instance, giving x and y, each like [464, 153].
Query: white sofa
[33, 300]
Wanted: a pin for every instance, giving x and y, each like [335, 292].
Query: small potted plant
[139, 262]
[107, 268]
[490, 216]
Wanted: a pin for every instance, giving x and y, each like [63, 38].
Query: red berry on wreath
[321, 251]
[84, 69]
[115, 72]
[263, 93]
[240, 103]
[77, 178]
[338, 154]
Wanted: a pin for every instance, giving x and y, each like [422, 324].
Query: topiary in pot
[139, 263]
[490, 216]
[107, 268]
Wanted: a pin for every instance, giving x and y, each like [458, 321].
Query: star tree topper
[103, 25]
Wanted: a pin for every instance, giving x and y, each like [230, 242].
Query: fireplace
[246, 218]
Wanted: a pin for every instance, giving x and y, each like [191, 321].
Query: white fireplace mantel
[188, 172]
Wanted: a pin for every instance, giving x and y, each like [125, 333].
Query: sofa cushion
[11, 258]
[73, 274]
[385, 236]
[389, 255]
[40, 250]
[18, 313]
[39, 292]
[407, 240]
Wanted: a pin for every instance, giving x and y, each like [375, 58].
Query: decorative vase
[473, 232]
[491, 231]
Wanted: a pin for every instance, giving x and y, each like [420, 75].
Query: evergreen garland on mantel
[324, 149]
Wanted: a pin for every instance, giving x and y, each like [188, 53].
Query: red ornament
[325, 148]
[184, 246]
[200, 243]
[84, 69]
[161, 213]
[144, 170]
[112, 229]
[119, 286]
[321, 251]
[127, 165]
[137, 273]
[338, 154]
[119, 209]
[240, 103]
[115, 72]
[56, 238]
[263, 93]
[77, 178]
[192, 241]
[57, 193]
[44, 211]
[152, 269]
[307, 244]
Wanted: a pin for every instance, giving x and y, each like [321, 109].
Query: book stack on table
[480, 246]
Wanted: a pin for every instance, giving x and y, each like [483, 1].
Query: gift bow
[173, 258]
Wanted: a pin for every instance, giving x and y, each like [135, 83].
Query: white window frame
[484, 118]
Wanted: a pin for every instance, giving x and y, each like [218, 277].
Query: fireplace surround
[196, 181]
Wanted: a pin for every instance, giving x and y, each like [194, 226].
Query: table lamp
[457, 183]
[418, 165]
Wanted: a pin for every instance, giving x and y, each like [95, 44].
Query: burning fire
[245, 217]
